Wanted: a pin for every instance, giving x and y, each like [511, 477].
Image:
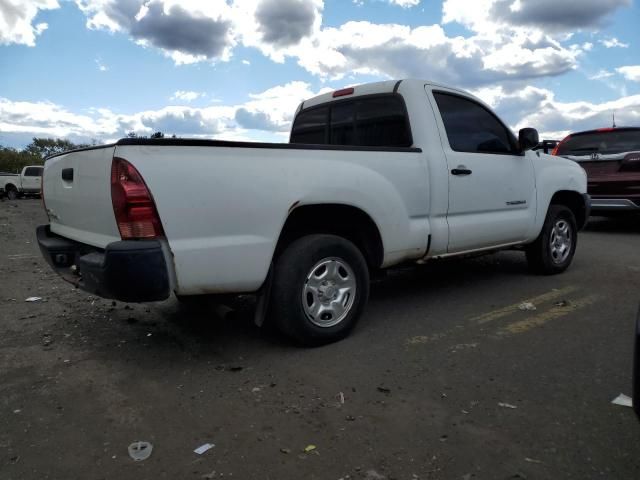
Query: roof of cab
[387, 86]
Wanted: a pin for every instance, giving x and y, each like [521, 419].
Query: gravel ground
[444, 378]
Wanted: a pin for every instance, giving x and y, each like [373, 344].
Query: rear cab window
[603, 142]
[369, 121]
[33, 171]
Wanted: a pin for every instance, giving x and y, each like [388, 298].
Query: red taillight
[133, 204]
[555, 150]
[343, 92]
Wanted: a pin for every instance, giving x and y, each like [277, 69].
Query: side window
[471, 127]
[310, 126]
[33, 172]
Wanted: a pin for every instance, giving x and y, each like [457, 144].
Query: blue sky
[236, 69]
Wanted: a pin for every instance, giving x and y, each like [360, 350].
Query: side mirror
[527, 139]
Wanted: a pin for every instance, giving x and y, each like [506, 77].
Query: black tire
[293, 271]
[542, 255]
[12, 194]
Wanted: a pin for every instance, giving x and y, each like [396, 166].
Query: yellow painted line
[422, 339]
[540, 319]
[503, 312]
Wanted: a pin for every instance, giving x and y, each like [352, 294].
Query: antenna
[614, 119]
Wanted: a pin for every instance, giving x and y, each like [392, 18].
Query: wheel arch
[575, 202]
[347, 221]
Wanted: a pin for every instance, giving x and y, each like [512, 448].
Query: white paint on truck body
[222, 208]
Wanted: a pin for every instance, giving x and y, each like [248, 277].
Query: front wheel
[12, 194]
[553, 250]
[320, 287]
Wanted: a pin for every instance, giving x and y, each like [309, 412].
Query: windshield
[604, 142]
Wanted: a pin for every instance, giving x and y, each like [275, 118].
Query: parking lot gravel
[449, 375]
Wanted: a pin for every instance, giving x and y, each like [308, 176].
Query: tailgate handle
[67, 174]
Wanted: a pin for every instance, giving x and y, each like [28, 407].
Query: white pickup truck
[373, 176]
[26, 182]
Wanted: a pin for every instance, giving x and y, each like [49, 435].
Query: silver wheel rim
[560, 241]
[329, 292]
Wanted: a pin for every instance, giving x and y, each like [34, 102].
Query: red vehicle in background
[611, 158]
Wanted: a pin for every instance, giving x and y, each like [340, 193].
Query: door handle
[67, 174]
[461, 170]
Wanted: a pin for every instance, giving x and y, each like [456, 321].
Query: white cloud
[101, 66]
[188, 31]
[631, 72]
[186, 95]
[405, 3]
[613, 43]
[602, 74]
[538, 108]
[269, 113]
[16, 20]
[266, 116]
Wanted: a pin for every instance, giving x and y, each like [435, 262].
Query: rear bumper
[129, 271]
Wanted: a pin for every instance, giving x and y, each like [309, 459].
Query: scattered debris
[373, 475]
[210, 475]
[532, 460]
[47, 339]
[563, 303]
[384, 390]
[140, 451]
[17, 410]
[506, 405]
[255, 389]
[527, 306]
[350, 418]
[203, 448]
[286, 451]
[623, 400]
[33, 299]
[340, 397]
[309, 448]
[235, 369]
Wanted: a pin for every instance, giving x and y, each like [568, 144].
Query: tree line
[13, 160]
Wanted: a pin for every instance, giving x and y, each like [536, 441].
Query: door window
[472, 128]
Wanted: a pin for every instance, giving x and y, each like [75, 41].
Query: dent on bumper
[129, 270]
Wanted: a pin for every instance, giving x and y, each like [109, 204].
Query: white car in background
[27, 182]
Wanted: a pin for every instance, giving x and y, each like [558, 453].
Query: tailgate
[77, 195]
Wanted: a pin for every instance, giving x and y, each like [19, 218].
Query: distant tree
[12, 160]
[44, 147]
[132, 135]
[157, 135]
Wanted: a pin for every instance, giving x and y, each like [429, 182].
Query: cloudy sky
[236, 69]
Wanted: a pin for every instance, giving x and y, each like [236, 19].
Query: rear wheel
[553, 250]
[320, 287]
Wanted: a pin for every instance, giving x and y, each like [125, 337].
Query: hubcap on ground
[560, 241]
[329, 292]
